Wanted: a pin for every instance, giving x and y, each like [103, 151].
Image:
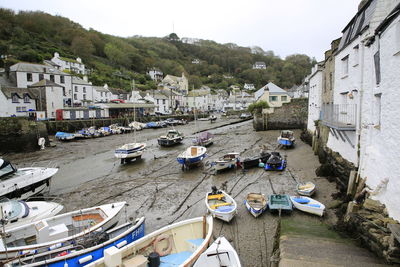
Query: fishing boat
[22, 183]
[275, 162]
[87, 248]
[227, 161]
[255, 161]
[58, 231]
[62, 136]
[19, 212]
[204, 139]
[279, 203]
[308, 205]
[220, 253]
[178, 244]
[256, 203]
[220, 204]
[173, 137]
[306, 189]
[191, 156]
[286, 139]
[130, 151]
[104, 131]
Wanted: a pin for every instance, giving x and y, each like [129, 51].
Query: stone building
[329, 73]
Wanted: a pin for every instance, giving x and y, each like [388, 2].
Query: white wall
[81, 90]
[8, 109]
[314, 100]
[54, 100]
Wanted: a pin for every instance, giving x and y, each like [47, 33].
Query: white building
[83, 92]
[155, 74]
[249, 86]
[50, 97]
[16, 102]
[73, 65]
[101, 94]
[198, 100]
[260, 65]
[161, 101]
[179, 84]
[315, 99]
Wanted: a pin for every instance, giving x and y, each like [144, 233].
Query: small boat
[153, 125]
[192, 156]
[220, 204]
[255, 161]
[256, 203]
[130, 151]
[60, 230]
[88, 248]
[173, 137]
[220, 253]
[105, 131]
[204, 139]
[178, 244]
[225, 162]
[203, 119]
[308, 205]
[115, 129]
[275, 162]
[62, 136]
[23, 183]
[279, 203]
[286, 139]
[306, 189]
[19, 212]
[213, 118]
[138, 126]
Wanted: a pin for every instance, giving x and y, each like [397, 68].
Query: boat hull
[309, 205]
[220, 253]
[226, 214]
[275, 167]
[255, 212]
[223, 165]
[169, 142]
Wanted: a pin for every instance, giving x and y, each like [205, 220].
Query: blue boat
[191, 156]
[275, 162]
[64, 136]
[91, 248]
[286, 139]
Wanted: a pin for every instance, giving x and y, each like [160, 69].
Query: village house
[273, 95]
[314, 100]
[198, 100]
[160, 100]
[179, 84]
[156, 74]
[72, 65]
[16, 102]
[259, 66]
[83, 92]
[196, 61]
[329, 73]
[101, 94]
[249, 86]
[49, 96]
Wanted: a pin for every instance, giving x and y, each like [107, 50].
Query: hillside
[35, 36]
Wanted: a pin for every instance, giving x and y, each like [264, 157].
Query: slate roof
[9, 91]
[44, 83]
[386, 22]
[39, 68]
[100, 89]
[78, 80]
[272, 88]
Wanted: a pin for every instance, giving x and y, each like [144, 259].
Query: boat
[173, 137]
[220, 253]
[204, 119]
[115, 129]
[306, 189]
[286, 139]
[308, 205]
[88, 248]
[138, 126]
[191, 156]
[255, 161]
[256, 203]
[104, 131]
[204, 139]
[23, 183]
[275, 162]
[279, 203]
[19, 212]
[63, 136]
[213, 118]
[178, 244]
[227, 161]
[58, 231]
[220, 204]
[130, 151]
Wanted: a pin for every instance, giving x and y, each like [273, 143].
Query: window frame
[29, 77]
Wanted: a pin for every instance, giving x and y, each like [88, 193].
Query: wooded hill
[35, 36]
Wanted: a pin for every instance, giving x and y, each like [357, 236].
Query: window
[64, 92]
[75, 97]
[84, 96]
[101, 94]
[273, 98]
[62, 79]
[29, 77]
[41, 76]
[21, 109]
[330, 81]
[52, 104]
[84, 89]
[283, 98]
[377, 110]
[52, 77]
[27, 99]
[163, 101]
[377, 62]
[345, 66]
[76, 88]
[356, 55]
[157, 101]
[15, 98]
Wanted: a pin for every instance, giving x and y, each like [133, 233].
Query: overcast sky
[283, 26]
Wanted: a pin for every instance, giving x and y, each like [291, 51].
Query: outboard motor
[214, 190]
[154, 259]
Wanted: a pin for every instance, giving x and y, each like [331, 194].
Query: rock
[387, 220]
[334, 204]
[324, 170]
[373, 205]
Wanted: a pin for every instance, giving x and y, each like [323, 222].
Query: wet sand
[156, 187]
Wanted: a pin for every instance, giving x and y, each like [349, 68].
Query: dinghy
[130, 151]
[178, 244]
[286, 139]
[225, 162]
[204, 139]
[306, 189]
[17, 213]
[308, 205]
[256, 203]
[255, 161]
[88, 248]
[220, 204]
[62, 136]
[275, 162]
[58, 231]
[220, 253]
[191, 156]
[213, 118]
[279, 203]
[173, 137]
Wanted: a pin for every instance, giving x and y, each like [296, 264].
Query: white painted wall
[314, 100]
[8, 109]
[54, 101]
[82, 92]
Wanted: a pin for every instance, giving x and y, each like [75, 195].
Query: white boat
[256, 203]
[227, 161]
[308, 205]
[286, 139]
[204, 139]
[23, 182]
[130, 151]
[173, 137]
[138, 126]
[19, 212]
[305, 189]
[220, 205]
[58, 231]
[192, 156]
[220, 253]
[178, 244]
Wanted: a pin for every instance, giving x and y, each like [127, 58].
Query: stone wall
[291, 115]
[20, 134]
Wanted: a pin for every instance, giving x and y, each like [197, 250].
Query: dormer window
[27, 99]
[15, 98]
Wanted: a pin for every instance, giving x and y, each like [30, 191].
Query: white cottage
[16, 102]
[314, 100]
[83, 92]
[73, 65]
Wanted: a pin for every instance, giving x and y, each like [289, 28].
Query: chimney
[79, 59]
[362, 4]
[85, 78]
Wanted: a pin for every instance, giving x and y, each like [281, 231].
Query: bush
[257, 107]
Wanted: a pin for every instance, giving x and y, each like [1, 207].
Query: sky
[283, 26]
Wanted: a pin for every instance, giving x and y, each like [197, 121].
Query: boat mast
[134, 114]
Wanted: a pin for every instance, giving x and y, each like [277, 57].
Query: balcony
[341, 117]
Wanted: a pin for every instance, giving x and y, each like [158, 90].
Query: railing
[339, 116]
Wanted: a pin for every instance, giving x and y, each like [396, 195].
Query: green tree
[257, 107]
